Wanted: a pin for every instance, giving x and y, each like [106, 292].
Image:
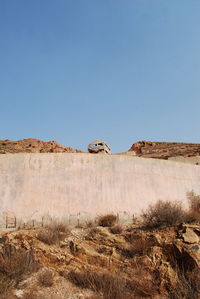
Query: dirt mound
[164, 150]
[34, 146]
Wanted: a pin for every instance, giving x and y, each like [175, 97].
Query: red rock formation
[164, 150]
[32, 145]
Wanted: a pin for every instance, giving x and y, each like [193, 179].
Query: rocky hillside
[100, 262]
[34, 146]
[164, 150]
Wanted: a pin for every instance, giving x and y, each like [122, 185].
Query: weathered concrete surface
[192, 160]
[63, 184]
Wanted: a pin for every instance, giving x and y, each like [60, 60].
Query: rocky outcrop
[164, 150]
[32, 145]
[148, 264]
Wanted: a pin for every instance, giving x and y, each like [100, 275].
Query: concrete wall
[62, 184]
[191, 160]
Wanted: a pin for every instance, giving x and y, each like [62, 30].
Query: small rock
[195, 248]
[2, 239]
[19, 293]
[189, 236]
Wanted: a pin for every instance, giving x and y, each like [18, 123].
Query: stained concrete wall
[191, 160]
[61, 184]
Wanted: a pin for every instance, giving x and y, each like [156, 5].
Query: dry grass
[111, 286]
[187, 286]
[107, 220]
[163, 213]
[139, 248]
[45, 278]
[5, 284]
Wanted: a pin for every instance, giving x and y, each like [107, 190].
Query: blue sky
[118, 70]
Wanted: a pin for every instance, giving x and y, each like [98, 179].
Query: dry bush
[48, 236]
[14, 263]
[194, 201]
[5, 284]
[45, 278]
[139, 247]
[52, 233]
[194, 207]
[59, 227]
[127, 252]
[187, 286]
[107, 220]
[90, 224]
[163, 213]
[116, 230]
[131, 236]
[188, 274]
[92, 233]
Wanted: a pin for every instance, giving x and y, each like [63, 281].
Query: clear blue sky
[117, 70]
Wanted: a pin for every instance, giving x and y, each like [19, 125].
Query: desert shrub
[187, 286]
[192, 216]
[48, 236]
[116, 230]
[131, 236]
[194, 207]
[90, 224]
[194, 201]
[14, 263]
[163, 213]
[59, 227]
[53, 233]
[92, 233]
[107, 220]
[127, 252]
[45, 278]
[138, 247]
[5, 283]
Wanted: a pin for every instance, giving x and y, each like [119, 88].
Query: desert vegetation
[15, 264]
[53, 233]
[107, 220]
[164, 213]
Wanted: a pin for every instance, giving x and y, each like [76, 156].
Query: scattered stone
[19, 293]
[195, 248]
[190, 236]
